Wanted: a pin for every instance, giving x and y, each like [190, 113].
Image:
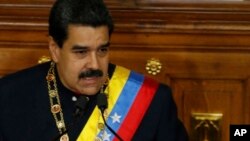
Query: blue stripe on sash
[124, 102]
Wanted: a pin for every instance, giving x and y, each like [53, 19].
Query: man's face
[85, 50]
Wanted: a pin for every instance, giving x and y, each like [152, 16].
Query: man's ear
[54, 49]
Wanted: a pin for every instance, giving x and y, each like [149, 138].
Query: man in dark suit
[79, 95]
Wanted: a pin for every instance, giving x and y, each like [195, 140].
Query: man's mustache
[90, 73]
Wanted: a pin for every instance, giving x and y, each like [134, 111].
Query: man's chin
[89, 91]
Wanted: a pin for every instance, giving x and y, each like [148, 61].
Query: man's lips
[90, 80]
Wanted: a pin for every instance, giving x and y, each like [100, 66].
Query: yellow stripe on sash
[114, 88]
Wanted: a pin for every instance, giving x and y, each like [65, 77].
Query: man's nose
[93, 61]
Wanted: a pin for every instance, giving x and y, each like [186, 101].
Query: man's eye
[80, 53]
[103, 51]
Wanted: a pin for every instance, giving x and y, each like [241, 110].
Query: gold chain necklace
[55, 103]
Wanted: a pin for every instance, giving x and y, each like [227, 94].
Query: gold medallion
[56, 108]
[98, 139]
[52, 93]
[64, 137]
[50, 77]
[60, 124]
[100, 126]
[105, 114]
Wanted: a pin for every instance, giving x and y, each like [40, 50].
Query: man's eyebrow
[76, 47]
[106, 45]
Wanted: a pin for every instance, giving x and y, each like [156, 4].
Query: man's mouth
[90, 80]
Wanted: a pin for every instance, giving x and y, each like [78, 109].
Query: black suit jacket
[25, 110]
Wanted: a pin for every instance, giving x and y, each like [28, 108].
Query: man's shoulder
[162, 87]
[28, 74]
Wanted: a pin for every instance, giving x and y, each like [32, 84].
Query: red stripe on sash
[138, 109]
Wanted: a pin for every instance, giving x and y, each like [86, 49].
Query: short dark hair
[79, 12]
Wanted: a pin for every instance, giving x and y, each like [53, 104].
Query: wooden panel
[182, 41]
[185, 64]
[27, 2]
[212, 96]
[13, 59]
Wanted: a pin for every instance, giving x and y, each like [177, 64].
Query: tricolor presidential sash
[129, 96]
